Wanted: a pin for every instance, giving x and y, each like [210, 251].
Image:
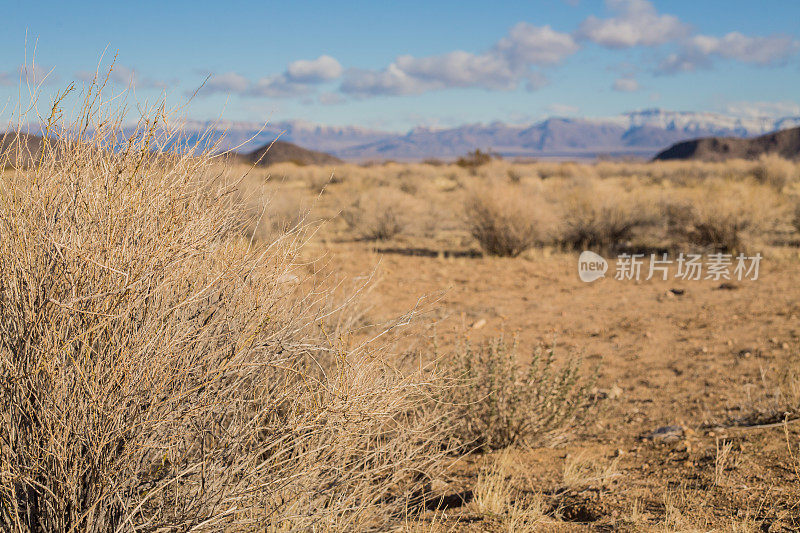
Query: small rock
[785, 345]
[678, 292]
[606, 394]
[479, 324]
[727, 286]
[666, 434]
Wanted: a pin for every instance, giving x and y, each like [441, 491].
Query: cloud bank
[521, 58]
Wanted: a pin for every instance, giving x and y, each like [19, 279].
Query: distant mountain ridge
[785, 143]
[640, 133]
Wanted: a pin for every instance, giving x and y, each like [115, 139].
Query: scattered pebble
[479, 324]
[666, 434]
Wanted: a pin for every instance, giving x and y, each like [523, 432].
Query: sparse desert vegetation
[672, 372]
[182, 349]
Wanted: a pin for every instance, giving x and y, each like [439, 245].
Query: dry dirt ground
[691, 354]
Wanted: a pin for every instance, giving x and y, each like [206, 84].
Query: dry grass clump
[775, 171]
[158, 373]
[509, 207]
[599, 217]
[796, 217]
[566, 170]
[692, 173]
[583, 470]
[319, 182]
[725, 216]
[506, 220]
[496, 498]
[774, 398]
[380, 214]
[498, 402]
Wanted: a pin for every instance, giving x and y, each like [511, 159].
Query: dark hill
[785, 143]
[282, 151]
[19, 150]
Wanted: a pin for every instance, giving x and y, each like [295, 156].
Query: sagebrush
[498, 401]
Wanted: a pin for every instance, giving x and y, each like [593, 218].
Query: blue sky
[393, 65]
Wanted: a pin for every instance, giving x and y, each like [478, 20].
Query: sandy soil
[667, 353]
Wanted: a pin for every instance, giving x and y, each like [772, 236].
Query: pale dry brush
[507, 220]
[157, 370]
[498, 401]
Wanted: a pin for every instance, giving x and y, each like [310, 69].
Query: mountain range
[635, 134]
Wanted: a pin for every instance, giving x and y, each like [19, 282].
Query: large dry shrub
[723, 215]
[476, 158]
[600, 216]
[506, 220]
[158, 371]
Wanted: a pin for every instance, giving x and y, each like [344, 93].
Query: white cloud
[636, 23]
[503, 67]
[412, 75]
[391, 80]
[756, 50]
[520, 58]
[33, 74]
[535, 45]
[229, 82]
[459, 69]
[625, 85]
[296, 80]
[683, 62]
[324, 68]
[700, 51]
[278, 86]
[122, 75]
